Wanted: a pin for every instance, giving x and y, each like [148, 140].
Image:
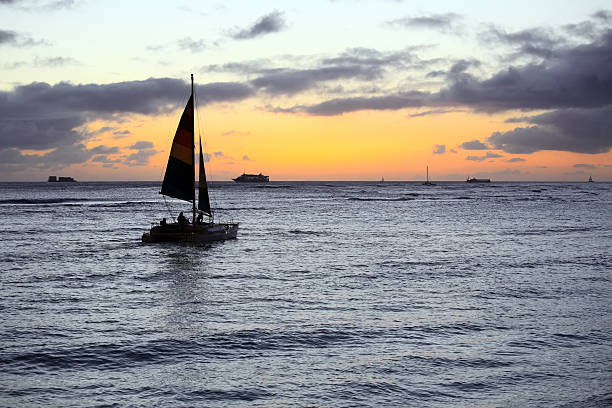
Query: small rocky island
[54, 179]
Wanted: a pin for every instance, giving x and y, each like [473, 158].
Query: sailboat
[179, 182]
[590, 179]
[427, 182]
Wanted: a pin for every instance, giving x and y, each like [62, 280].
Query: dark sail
[180, 172]
[203, 201]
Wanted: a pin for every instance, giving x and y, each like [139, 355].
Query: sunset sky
[318, 90]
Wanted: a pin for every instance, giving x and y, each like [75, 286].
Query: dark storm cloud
[574, 130]
[270, 23]
[474, 145]
[35, 134]
[578, 77]
[446, 22]
[41, 116]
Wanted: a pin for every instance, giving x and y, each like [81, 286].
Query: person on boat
[163, 222]
[200, 219]
[182, 219]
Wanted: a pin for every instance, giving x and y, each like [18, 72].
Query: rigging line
[168, 208]
[204, 148]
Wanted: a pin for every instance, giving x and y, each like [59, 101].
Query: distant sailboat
[427, 182]
[179, 183]
[590, 179]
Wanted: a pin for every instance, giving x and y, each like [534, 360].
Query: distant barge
[477, 180]
[54, 179]
[252, 178]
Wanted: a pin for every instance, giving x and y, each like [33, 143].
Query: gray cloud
[447, 22]
[339, 106]
[515, 160]
[267, 24]
[142, 144]
[12, 159]
[489, 155]
[120, 134]
[290, 81]
[245, 157]
[584, 166]
[8, 37]
[40, 116]
[574, 130]
[603, 15]
[439, 149]
[191, 44]
[577, 77]
[206, 157]
[54, 5]
[433, 112]
[54, 62]
[144, 152]
[223, 92]
[104, 150]
[474, 145]
[538, 42]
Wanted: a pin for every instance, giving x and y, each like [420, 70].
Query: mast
[428, 174]
[193, 212]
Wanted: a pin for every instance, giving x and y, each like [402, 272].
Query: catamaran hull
[187, 233]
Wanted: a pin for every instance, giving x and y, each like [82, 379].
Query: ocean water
[334, 294]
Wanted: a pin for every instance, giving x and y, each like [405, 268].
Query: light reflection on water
[337, 294]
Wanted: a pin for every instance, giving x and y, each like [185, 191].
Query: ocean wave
[43, 201]
[380, 199]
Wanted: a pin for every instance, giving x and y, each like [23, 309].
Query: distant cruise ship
[54, 179]
[252, 178]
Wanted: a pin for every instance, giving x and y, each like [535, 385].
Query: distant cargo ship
[54, 179]
[477, 180]
[252, 178]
